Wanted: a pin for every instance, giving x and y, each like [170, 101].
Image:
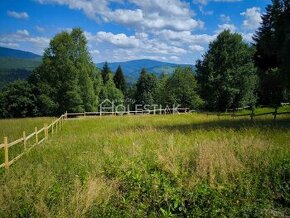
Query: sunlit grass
[163, 165]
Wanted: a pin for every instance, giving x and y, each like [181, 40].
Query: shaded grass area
[261, 110]
[172, 165]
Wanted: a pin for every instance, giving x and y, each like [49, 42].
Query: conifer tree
[146, 88]
[105, 72]
[119, 80]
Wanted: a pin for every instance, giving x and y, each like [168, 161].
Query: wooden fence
[53, 128]
[137, 112]
[251, 115]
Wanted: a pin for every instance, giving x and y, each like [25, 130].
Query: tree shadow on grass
[234, 124]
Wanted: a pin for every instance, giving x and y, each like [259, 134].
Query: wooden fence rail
[54, 126]
[252, 115]
[137, 112]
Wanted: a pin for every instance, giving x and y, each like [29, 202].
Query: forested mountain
[132, 68]
[16, 64]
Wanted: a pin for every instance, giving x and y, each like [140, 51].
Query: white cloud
[120, 40]
[23, 33]
[162, 45]
[224, 18]
[95, 51]
[196, 48]
[204, 2]
[184, 37]
[18, 15]
[9, 45]
[226, 26]
[40, 29]
[174, 58]
[248, 37]
[23, 38]
[252, 18]
[146, 15]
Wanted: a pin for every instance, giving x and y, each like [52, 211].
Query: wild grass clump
[139, 166]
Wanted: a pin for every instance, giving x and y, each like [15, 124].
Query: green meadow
[189, 165]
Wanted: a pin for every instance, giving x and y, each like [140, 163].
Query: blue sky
[119, 30]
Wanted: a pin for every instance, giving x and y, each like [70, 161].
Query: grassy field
[148, 166]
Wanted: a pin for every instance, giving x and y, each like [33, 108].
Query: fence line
[252, 115]
[137, 112]
[54, 126]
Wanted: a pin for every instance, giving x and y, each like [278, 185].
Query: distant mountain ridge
[132, 69]
[14, 53]
[16, 64]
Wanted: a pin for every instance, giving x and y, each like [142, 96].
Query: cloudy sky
[118, 30]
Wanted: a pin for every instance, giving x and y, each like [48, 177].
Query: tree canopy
[227, 75]
[146, 88]
[272, 42]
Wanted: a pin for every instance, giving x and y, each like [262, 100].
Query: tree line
[231, 74]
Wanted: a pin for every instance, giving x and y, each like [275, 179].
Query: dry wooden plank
[73, 114]
[241, 115]
[16, 158]
[269, 113]
[42, 140]
[281, 113]
[30, 136]
[39, 131]
[6, 152]
[15, 142]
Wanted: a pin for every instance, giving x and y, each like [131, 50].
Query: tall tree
[181, 89]
[272, 41]
[146, 88]
[110, 92]
[105, 72]
[86, 69]
[65, 81]
[119, 80]
[226, 75]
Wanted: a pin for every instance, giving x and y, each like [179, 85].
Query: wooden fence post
[275, 113]
[6, 154]
[253, 113]
[45, 131]
[36, 135]
[24, 140]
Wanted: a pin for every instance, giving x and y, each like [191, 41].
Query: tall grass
[169, 165]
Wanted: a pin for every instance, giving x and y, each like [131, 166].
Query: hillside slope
[16, 64]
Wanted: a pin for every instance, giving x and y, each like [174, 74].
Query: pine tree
[119, 80]
[272, 41]
[146, 88]
[110, 92]
[105, 72]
